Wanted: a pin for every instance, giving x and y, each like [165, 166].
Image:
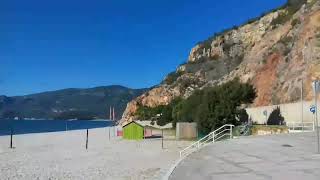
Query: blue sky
[50, 45]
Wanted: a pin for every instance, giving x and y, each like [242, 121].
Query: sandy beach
[62, 155]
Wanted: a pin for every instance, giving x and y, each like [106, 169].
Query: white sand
[62, 155]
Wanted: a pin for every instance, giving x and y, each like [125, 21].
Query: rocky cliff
[276, 53]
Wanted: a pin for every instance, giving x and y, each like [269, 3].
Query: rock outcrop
[275, 53]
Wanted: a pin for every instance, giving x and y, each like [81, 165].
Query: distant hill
[72, 103]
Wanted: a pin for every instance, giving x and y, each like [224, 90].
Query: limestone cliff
[274, 53]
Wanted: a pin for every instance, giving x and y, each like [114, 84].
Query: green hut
[133, 131]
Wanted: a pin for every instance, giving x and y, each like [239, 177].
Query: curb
[172, 168]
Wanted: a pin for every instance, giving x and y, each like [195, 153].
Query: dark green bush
[172, 77]
[210, 107]
[215, 106]
[264, 61]
[276, 118]
[287, 40]
[227, 46]
[161, 114]
[291, 7]
[80, 115]
[295, 22]
[243, 116]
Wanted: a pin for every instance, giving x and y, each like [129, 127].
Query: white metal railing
[218, 134]
[300, 127]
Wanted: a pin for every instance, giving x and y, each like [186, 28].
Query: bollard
[87, 139]
[11, 136]
[162, 138]
[109, 133]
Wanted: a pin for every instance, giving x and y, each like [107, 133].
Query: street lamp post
[302, 105]
[316, 89]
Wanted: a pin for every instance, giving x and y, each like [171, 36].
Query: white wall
[291, 112]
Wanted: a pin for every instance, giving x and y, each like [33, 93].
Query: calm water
[39, 126]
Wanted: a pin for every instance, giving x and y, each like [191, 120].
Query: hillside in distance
[92, 103]
[277, 53]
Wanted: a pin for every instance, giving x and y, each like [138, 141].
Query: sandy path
[62, 155]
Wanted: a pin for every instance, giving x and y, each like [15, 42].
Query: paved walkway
[279, 157]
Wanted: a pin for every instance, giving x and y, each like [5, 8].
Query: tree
[215, 106]
[80, 115]
[210, 107]
[10, 114]
[165, 116]
[243, 116]
[162, 114]
[275, 117]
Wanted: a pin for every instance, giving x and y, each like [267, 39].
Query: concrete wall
[186, 130]
[257, 130]
[291, 112]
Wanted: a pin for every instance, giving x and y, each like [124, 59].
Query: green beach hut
[133, 131]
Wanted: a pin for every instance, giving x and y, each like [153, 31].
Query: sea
[40, 126]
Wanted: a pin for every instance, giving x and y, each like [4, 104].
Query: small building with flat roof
[138, 130]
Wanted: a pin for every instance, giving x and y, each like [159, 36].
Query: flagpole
[114, 118]
[110, 114]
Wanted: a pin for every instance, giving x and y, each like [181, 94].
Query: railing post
[231, 132]
[198, 145]
[213, 136]
[313, 126]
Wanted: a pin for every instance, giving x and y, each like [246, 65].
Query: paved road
[279, 157]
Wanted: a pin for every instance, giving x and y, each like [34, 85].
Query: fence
[298, 126]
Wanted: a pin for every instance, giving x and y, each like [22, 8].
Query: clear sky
[50, 45]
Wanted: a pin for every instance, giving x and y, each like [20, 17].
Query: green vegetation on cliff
[210, 107]
[291, 7]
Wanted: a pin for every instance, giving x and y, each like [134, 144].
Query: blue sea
[40, 126]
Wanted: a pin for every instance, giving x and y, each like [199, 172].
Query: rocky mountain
[274, 52]
[69, 103]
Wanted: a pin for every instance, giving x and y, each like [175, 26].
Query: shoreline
[62, 155]
[50, 132]
[48, 126]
